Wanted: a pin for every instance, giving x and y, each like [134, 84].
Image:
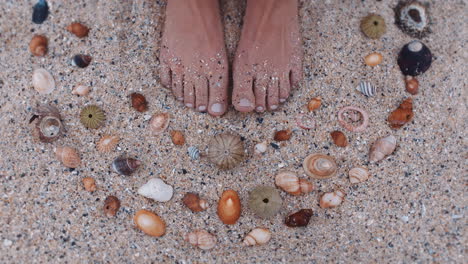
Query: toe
[260, 90]
[284, 87]
[177, 85]
[243, 97]
[295, 76]
[165, 75]
[217, 103]
[189, 92]
[273, 93]
[201, 93]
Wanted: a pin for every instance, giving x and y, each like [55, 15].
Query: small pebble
[7, 243]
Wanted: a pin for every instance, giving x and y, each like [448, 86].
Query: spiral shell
[139, 102]
[258, 236]
[382, 148]
[107, 143]
[314, 104]
[159, 123]
[42, 81]
[193, 153]
[402, 115]
[111, 206]
[81, 60]
[194, 203]
[289, 182]
[366, 88]
[38, 45]
[201, 239]
[68, 156]
[299, 218]
[226, 151]
[350, 127]
[47, 124]
[332, 199]
[319, 166]
[81, 90]
[358, 174]
[125, 166]
[78, 29]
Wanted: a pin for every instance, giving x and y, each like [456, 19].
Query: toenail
[245, 102]
[180, 98]
[189, 105]
[217, 108]
[282, 100]
[273, 107]
[259, 109]
[202, 108]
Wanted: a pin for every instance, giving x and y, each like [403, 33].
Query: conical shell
[42, 81]
[319, 166]
[366, 88]
[258, 236]
[226, 151]
[38, 45]
[193, 153]
[201, 239]
[289, 182]
[229, 207]
[78, 29]
[159, 123]
[382, 148]
[125, 166]
[47, 124]
[358, 174]
[107, 143]
[68, 156]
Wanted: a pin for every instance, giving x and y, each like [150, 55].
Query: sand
[412, 209]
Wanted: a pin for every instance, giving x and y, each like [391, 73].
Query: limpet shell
[68, 156]
[358, 175]
[412, 17]
[42, 81]
[319, 166]
[373, 59]
[414, 58]
[229, 207]
[92, 116]
[226, 151]
[107, 143]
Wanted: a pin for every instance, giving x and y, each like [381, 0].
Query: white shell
[194, 153]
[332, 199]
[289, 182]
[358, 174]
[261, 148]
[81, 90]
[258, 236]
[43, 81]
[382, 148]
[157, 190]
[366, 88]
[201, 239]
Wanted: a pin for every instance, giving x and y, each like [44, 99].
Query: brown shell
[139, 102]
[89, 184]
[289, 182]
[300, 218]
[314, 104]
[339, 138]
[412, 85]
[125, 166]
[402, 115]
[150, 223]
[177, 137]
[47, 124]
[68, 156]
[194, 203]
[38, 45]
[319, 166]
[283, 135]
[78, 29]
[226, 151]
[111, 206]
[229, 207]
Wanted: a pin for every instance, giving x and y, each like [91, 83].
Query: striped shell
[201, 239]
[107, 143]
[319, 166]
[68, 156]
[194, 153]
[366, 88]
[358, 174]
[258, 236]
[289, 182]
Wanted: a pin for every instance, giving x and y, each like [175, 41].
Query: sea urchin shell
[265, 201]
[373, 26]
[92, 116]
[412, 18]
[226, 151]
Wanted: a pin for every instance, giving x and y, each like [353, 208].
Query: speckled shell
[201, 239]
[47, 124]
[382, 148]
[226, 151]
[42, 81]
[358, 175]
[125, 166]
[107, 143]
[258, 236]
[412, 17]
[289, 182]
[159, 123]
[68, 156]
[366, 88]
[319, 166]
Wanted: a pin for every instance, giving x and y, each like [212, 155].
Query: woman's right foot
[193, 57]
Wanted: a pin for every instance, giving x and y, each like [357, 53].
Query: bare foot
[193, 55]
[268, 60]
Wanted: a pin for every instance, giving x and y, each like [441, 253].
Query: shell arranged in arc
[193, 152]
[107, 143]
[40, 12]
[258, 236]
[366, 88]
[358, 174]
[382, 148]
[159, 123]
[289, 182]
[319, 166]
[412, 17]
[125, 166]
[201, 239]
[373, 26]
[47, 124]
[92, 116]
[265, 201]
[414, 58]
[68, 156]
[226, 151]
[42, 81]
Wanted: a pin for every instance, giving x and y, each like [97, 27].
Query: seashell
[78, 29]
[150, 223]
[382, 148]
[81, 60]
[283, 135]
[139, 102]
[261, 148]
[289, 182]
[411, 85]
[38, 45]
[412, 18]
[373, 59]
[332, 199]
[111, 206]
[358, 175]
[107, 143]
[40, 12]
[373, 26]
[402, 115]
[68, 156]
[193, 153]
[226, 151]
[201, 239]
[314, 104]
[81, 90]
[339, 138]
[42, 81]
[229, 207]
[414, 58]
[258, 236]
[265, 201]
[305, 121]
[157, 190]
[299, 218]
[351, 127]
[92, 116]
[158, 123]
[319, 166]
[89, 184]
[125, 166]
[366, 88]
[47, 124]
[194, 203]
[177, 138]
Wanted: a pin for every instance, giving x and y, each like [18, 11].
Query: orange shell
[78, 29]
[150, 223]
[229, 207]
[402, 115]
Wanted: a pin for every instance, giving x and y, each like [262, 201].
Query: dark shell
[40, 12]
[300, 218]
[139, 102]
[125, 166]
[265, 201]
[412, 17]
[414, 58]
[47, 124]
[81, 60]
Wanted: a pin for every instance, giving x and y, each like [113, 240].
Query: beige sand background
[411, 210]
